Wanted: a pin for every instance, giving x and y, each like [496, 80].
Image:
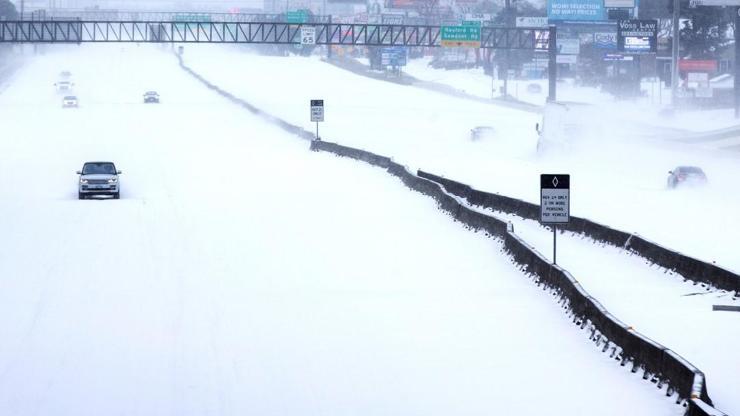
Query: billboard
[637, 36]
[576, 10]
[605, 40]
[695, 65]
[403, 4]
[568, 46]
[616, 4]
[531, 21]
[694, 3]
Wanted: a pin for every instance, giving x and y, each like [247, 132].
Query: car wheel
[80, 195]
[117, 195]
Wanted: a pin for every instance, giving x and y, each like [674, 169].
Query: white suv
[99, 178]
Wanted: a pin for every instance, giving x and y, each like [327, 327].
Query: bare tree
[428, 9]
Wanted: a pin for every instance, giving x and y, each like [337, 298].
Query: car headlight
[114, 180]
[83, 180]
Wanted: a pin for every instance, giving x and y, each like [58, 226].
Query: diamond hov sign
[554, 199]
[317, 110]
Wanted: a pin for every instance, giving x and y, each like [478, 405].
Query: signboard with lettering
[460, 36]
[568, 46]
[615, 4]
[576, 10]
[523, 21]
[637, 36]
[554, 199]
[308, 35]
[605, 40]
[296, 16]
[317, 110]
[395, 56]
[696, 65]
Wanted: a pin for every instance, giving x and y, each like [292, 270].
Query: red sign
[693, 65]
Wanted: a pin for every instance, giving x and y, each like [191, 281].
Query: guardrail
[658, 363]
[688, 267]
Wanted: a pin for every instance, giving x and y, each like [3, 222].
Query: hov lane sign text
[317, 110]
[554, 199]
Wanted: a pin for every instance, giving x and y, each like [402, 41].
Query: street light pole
[674, 53]
[507, 56]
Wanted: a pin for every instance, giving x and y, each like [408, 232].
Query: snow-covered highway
[242, 274]
[617, 179]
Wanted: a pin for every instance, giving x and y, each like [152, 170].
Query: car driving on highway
[151, 97]
[99, 178]
[70, 101]
[686, 175]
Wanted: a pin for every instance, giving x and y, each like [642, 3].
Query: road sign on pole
[317, 114]
[554, 204]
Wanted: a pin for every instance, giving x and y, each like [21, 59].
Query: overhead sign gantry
[78, 31]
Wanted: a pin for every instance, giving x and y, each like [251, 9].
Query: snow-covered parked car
[70, 101]
[481, 132]
[686, 175]
[65, 74]
[99, 178]
[151, 97]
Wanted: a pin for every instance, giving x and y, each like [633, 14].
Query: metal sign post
[317, 114]
[554, 204]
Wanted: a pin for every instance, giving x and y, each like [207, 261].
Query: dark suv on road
[99, 178]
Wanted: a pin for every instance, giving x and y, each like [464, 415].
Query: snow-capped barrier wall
[688, 267]
[657, 363]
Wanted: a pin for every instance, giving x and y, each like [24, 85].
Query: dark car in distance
[151, 97]
[686, 175]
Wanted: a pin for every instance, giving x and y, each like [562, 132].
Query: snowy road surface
[617, 179]
[242, 274]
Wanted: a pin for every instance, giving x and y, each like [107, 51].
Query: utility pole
[674, 53]
[507, 20]
[737, 63]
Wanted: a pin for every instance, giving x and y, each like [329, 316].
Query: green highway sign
[192, 17]
[460, 36]
[297, 16]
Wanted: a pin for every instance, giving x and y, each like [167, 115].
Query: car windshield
[70, 97]
[102, 168]
[690, 170]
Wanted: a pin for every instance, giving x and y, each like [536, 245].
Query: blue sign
[576, 10]
[605, 40]
[393, 56]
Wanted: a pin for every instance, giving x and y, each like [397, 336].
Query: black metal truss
[56, 31]
[161, 16]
